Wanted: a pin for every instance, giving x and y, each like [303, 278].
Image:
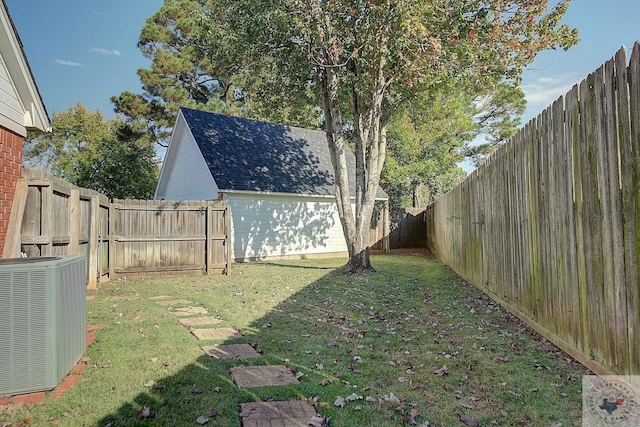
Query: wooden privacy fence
[124, 237]
[159, 236]
[407, 229]
[550, 224]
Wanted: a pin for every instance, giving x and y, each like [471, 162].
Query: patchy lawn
[412, 343]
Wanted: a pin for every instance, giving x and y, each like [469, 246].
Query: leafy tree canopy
[194, 64]
[430, 135]
[359, 60]
[109, 156]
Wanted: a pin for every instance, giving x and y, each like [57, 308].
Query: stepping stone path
[216, 334]
[262, 376]
[231, 351]
[190, 322]
[290, 413]
[188, 311]
[173, 302]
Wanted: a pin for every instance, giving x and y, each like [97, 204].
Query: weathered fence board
[125, 237]
[549, 225]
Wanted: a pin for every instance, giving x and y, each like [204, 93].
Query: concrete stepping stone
[190, 322]
[216, 333]
[173, 302]
[262, 376]
[158, 297]
[290, 413]
[188, 311]
[231, 351]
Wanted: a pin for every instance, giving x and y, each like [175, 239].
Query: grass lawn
[410, 343]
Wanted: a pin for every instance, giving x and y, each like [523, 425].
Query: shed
[21, 109]
[278, 181]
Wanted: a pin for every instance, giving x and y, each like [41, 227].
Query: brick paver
[158, 297]
[216, 334]
[173, 302]
[262, 376]
[188, 311]
[231, 351]
[190, 322]
[290, 413]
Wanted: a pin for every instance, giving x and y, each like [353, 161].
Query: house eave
[280, 194]
[35, 116]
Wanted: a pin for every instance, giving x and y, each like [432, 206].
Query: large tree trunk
[371, 115]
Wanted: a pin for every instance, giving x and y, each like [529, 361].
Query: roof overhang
[296, 195]
[34, 114]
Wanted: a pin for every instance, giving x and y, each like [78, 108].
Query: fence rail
[123, 237]
[550, 224]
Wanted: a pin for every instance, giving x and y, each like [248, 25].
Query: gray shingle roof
[249, 155]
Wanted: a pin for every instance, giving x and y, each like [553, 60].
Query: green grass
[373, 335]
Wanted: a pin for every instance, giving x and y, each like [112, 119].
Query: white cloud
[543, 91]
[69, 63]
[106, 51]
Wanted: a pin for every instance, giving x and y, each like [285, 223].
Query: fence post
[208, 234]
[47, 219]
[112, 240]
[74, 222]
[386, 228]
[228, 241]
[14, 229]
[93, 242]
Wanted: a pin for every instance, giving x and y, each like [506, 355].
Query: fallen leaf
[410, 416]
[391, 398]
[439, 371]
[325, 381]
[145, 412]
[149, 384]
[213, 412]
[197, 391]
[471, 422]
[319, 421]
[357, 408]
[339, 401]
[202, 419]
[186, 400]
[353, 397]
[217, 389]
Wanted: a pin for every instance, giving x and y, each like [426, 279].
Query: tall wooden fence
[407, 229]
[124, 237]
[550, 224]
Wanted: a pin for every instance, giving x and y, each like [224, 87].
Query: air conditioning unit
[42, 321]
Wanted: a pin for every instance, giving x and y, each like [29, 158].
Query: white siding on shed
[189, 178]
[265, 225]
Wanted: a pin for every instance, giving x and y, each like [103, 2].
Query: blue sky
[85, 50]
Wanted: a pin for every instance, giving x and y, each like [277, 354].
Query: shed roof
[249, 155]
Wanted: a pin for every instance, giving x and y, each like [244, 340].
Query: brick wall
[10, 169]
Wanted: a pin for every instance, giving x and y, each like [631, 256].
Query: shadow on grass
[410, 342]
